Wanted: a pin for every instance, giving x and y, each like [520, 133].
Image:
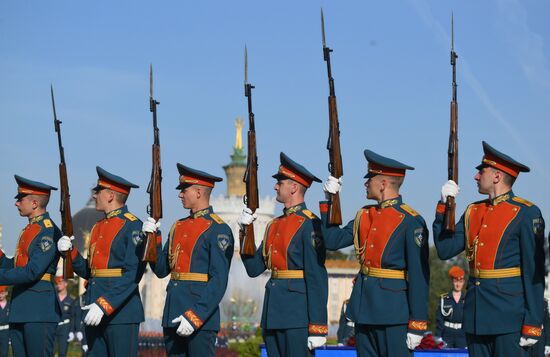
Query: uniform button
[275, 251]
[100, 236]
[478, 264]
[484, 226]
[374, 229]
[478, 283]
[368, 262]
[482, 244]
[490, 208]
[185, 236]
[379, 212]
[372, 245]
[175, 284]
[400, 216]
[277, 234]
[515, 208]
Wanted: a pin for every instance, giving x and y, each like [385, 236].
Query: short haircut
[42, 200]
[207, 191]
[120, 197]
[508, 179]
[395, 181]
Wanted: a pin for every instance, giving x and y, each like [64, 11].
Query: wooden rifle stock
[154, 188]
[246, 235]
[452, 152]
[336, 169]
[155, 206]
[66, 220]
[335, 166]
[65, 202]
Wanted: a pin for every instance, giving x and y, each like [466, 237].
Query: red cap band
[113, 186]
[285, 171]
[383, 170]
[505, 166]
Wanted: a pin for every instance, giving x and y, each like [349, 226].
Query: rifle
[333, 144]
[246, 234]
[65, 204]
[452, 152]
[154, 208]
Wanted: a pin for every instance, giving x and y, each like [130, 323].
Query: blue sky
[391, 70]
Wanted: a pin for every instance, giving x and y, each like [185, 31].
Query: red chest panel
[185, 237]
[103, 235]
[375, 229]
[281, 232]
[487, 224]
[25, 239]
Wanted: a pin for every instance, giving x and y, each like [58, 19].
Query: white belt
[64, 322]
[4, 327]
[453, 325]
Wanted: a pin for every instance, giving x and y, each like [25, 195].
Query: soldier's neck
[62, 295]
[37, 212]
[199, 207]
[294, 201]
[384, 196]
[498, 190]
[112, 207]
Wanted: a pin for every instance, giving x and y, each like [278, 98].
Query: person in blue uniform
[4, 321]
[113, 268]
[449, 311]
[502, 237]
[389, 300]
[345, 327]
[294, 316]
[197, 256]
[65, 331]
[34, 308]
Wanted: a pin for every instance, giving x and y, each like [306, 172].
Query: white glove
[315, 341]
[185, 328]
[449, 188]
[547, 350]
[527, 342]
[246, 217]
[333, 185]
[65, 243]
[85, 348]
[94, 315]
[79, 336]
[413, 340]
[71, 337]
[150, 225]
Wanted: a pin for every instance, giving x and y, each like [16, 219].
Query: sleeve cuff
[1, 253]
[323, 207]
[440, 209]
[317, 330]
[193, 318]
[105, 305]
[418, 325]
[531, 331]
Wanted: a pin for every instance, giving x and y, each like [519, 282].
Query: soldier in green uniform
[294, 316]
[197, 256]
[503, 238]
[113, 269]
[389, 300]
[34, 311]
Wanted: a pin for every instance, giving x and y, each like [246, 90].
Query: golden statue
[239, 135]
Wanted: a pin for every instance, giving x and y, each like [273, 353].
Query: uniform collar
[117, 212]
[391, 202]
[504, 197]
[202, 212]
[290, 210]
[39, 218]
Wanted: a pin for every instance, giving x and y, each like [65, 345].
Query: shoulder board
[48, 223]
[130, 216]
[522, 201]
[216, 218]
[309, 214]
[409, 210]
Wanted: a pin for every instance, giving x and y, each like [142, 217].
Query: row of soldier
[502, 237]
